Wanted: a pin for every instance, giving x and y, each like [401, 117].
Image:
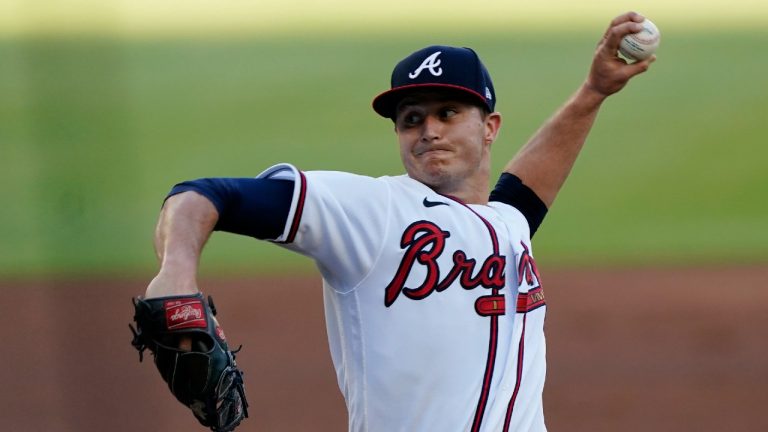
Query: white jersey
[434, 308]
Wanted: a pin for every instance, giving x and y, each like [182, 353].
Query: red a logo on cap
[430, 63]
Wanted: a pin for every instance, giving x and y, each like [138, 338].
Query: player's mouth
[432, 150]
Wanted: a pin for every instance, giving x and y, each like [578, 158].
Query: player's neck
[469, 192]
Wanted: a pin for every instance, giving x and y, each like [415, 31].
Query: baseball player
[433, 300]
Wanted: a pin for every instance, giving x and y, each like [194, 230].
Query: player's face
[445, 143]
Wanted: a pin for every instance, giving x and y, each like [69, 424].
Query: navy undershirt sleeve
[250, 206]
[511, 190]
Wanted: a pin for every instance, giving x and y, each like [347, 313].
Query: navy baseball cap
[437, 67]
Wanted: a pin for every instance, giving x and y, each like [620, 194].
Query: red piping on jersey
[299, 208]
[493, 338]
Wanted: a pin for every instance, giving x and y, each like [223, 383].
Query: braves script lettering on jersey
[441, 299]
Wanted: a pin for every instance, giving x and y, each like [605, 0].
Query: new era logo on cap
[437, 67]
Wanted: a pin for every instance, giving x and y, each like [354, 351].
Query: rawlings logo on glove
[184, 314]
[192, 356]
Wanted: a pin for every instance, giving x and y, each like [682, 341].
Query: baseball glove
[192, 355]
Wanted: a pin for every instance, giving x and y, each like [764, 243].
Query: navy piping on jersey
[254, 207]
[511, 190]
[519, 376]
[493, 337]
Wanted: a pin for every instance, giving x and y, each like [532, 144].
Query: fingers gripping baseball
[610, 73]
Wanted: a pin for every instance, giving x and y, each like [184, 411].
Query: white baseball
[641, 45]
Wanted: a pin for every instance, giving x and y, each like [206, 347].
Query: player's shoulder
[343, 184]
[347, 182]
[289, 171]
[347, 185]
[406, 183]
[340, 186]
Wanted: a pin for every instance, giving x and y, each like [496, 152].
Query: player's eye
[448, 112]
[410, 118]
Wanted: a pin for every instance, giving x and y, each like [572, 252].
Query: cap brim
[386, 103]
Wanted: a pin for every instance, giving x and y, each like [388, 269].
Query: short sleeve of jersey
[515, 220]
[512, 191]
[336, 218]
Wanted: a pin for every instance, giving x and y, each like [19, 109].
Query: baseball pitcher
[434, 303]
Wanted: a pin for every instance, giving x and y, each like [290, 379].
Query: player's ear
[492, 126]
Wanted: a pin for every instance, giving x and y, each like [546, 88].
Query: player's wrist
[173, 280]
[588, 98]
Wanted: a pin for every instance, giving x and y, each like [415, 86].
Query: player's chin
[432, 169]
[438, 160]
[438, 177]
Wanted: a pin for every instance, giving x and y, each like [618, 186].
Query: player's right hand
[609, 72]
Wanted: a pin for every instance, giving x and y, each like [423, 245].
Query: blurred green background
[105, 105]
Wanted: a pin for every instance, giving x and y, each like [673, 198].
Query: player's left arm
[545, 161]
[194, 209]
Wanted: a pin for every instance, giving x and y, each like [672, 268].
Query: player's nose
[431, 128]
